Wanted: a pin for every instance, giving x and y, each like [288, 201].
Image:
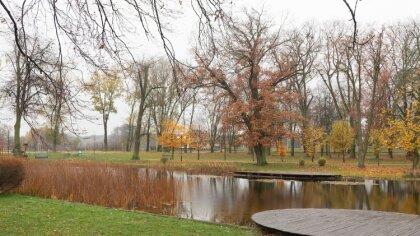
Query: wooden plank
[338, 222]
[286, 175]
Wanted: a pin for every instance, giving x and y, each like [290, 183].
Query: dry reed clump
[108, 185]
[11, 174]
[210, 168]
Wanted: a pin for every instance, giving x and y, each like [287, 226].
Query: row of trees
[45, 84]
[270, 77]
[257, 84]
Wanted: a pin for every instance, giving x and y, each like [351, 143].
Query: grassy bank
[22, 215]
[215, 163]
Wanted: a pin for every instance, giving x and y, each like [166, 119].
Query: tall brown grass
[118, 186]
[11, 173]
[199, 168]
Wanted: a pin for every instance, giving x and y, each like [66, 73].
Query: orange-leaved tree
[247, 61]
[198, 139]
[174, 135]
[281, 150]
[313, 138]
[341, 137]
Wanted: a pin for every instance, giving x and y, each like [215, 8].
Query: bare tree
[26, 88]
[142, 81]
[93, 27]
[304, 47]
[213, 111]
[169, 99]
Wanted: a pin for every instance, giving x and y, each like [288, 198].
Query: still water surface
[233, 200]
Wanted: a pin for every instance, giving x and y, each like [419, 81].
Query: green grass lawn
[388, 168]
[23, 215]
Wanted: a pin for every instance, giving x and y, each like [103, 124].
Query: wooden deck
[337, 222]
[286, 175]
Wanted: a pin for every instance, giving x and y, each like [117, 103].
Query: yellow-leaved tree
[341, 137]
[375, 138]
[313, 138]
[104, 89]
[174, 135]
[389, 138]
[408, 131]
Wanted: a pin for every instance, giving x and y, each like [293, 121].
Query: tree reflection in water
[234, 200]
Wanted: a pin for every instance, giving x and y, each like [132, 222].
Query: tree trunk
[269, 151]
[56, 131]
[416, 159]
[222, 140]
[344, 156]
[361, 158]
[292, 147]
[56, 134]
[57, 120]
[259, 151]
[328, 150]
[137, 134]
[148, 135]
[17, 149]
[359, 138]
[353, 146]
[224, 151]
[105, 135]
[390, 153]
[251, 151]
[130, 129]
[128, 140]
[353, 150]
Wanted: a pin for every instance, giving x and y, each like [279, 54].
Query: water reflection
[233, 200]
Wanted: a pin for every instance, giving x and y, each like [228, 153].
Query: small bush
[322, 161]
[301, 162]
[412, 174]
[12, 174]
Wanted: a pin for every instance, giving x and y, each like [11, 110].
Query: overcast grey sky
[375, 12]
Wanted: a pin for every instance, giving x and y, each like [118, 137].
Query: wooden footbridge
[304, 176]
[337, 222]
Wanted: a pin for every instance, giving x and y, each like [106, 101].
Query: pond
[233, 200]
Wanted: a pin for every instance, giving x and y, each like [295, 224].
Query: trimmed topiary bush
[301, 162]
[322, 161]
[12, 174]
